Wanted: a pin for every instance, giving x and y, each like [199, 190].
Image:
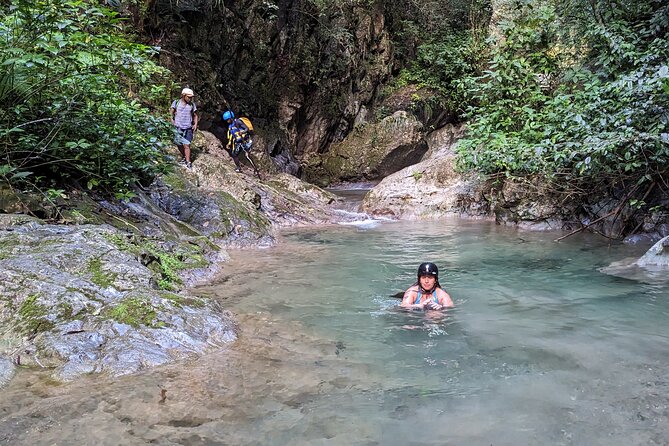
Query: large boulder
[370, 152]
[430, 189]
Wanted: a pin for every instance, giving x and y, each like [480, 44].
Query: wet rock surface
[77, 299]
[6, 371]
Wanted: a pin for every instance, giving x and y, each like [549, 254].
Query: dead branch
[615, 212]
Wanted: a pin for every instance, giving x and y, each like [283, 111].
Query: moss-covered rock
[370, 152]
[34, 317]
[86, 299]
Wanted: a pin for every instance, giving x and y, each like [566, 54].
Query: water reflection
[542, 348]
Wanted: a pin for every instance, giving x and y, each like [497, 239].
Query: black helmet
[428, 269]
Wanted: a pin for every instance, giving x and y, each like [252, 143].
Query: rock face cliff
[305, 73]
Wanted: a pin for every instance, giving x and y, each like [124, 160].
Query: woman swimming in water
[426, 293]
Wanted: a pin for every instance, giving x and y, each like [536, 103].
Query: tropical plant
[576, 92]
[438, 43]
[78, 96]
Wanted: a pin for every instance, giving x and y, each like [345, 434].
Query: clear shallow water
[542, 348]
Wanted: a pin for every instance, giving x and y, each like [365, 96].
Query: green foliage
[78, 96]
[413, 23]
[576, 91]
[440, 64]
[437, 43]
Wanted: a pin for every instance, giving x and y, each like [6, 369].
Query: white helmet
[187, 92]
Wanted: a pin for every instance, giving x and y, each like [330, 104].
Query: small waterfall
[349, 208]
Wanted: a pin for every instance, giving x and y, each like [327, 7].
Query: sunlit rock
[658, 255]
[430, 189]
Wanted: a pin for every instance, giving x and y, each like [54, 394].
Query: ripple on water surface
[542, 348]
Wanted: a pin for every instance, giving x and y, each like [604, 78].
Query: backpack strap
[175, 103]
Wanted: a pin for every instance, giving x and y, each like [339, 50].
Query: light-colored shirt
[183, 118]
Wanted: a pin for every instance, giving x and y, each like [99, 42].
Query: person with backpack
[238, 138]
[184, 119]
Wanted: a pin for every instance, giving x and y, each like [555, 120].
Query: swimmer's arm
[445, 300]
[409, 298]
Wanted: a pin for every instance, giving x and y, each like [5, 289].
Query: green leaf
[20, 175]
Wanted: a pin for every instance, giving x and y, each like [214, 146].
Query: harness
[237, 131]
[434, 296]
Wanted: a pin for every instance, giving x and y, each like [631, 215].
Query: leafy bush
[439, 66]
[576, 92]
[78, 96]
[439, 42]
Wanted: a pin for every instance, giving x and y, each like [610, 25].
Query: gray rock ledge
[657, 255]
[87, 299]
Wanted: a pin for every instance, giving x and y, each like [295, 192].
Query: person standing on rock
[426, 293]
[238, 137]
[184, 119]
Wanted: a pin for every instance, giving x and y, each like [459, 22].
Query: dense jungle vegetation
[575, 92]
[78, 96]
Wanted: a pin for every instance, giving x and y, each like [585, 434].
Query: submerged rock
[652, 267]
